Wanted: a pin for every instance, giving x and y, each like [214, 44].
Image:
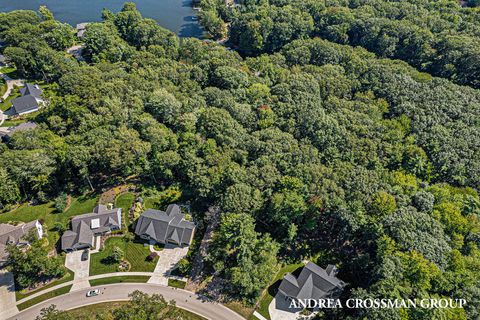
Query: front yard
[134, 251]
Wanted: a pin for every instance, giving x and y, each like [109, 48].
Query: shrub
[61, 202]
[152, 256]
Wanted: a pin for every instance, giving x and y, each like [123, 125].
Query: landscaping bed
[120, 279]
[176, 283]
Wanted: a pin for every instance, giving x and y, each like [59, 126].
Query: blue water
[175, 15]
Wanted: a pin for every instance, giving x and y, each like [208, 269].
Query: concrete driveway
[167, 259]
[7, 295]
[279, 309]
[81, 268]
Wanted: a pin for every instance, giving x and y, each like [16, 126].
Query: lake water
[175, 15]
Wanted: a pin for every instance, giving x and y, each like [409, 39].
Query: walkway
[11, 83]
[7, 295]
[119, 292]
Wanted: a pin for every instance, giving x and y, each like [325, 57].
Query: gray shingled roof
[165, 226]
[31, 90]
[82, 231]
[313, 282]
[24, 104]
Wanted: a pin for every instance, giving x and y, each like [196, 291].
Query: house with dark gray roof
[30, 101]
[313, 282]
[86, 226]
[16, 235]
[7, 132]
[165, 227]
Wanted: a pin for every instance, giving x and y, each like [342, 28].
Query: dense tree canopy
[313, 149]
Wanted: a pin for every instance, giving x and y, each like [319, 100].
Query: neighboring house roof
[21, 127]
[32, 90]
[3, 59]
[165, 226]
[28, 102]
[313, 282]
[85, 226]
[24, 104]
[81, 28]
[10, 234]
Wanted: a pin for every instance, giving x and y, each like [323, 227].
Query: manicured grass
[3, 87]
[272, 290]
[135, 253]
[12, 123]
[47, 213]
[122, 279]
[158, 246]
[68, 277]
[43, 297]
[125, 201]
[90, 312]
[10, 71]
[176, 283]
[5, 105]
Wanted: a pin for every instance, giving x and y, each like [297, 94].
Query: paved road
[7, 295]
[118, 292]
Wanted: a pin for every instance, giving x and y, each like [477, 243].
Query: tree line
[318, 150]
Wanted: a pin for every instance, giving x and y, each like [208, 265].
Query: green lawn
[12, 123]
[134, 251]
[3, 87]
[47, 213]
[122, 279]
[176, 283]
[10, 71]
[90, 312]
[125, 201]
[5, 105]
[271, 291]
[43, 297]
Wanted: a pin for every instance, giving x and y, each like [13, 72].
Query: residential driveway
[7, 295]
[279, 309]
[167, 259]
[81, 268]
[10, 84]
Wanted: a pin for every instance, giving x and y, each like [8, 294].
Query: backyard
[125, 201]
[134, 251]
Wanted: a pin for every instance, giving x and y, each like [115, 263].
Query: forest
[316, 138]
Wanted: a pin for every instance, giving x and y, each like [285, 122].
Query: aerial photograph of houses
[240, 159]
